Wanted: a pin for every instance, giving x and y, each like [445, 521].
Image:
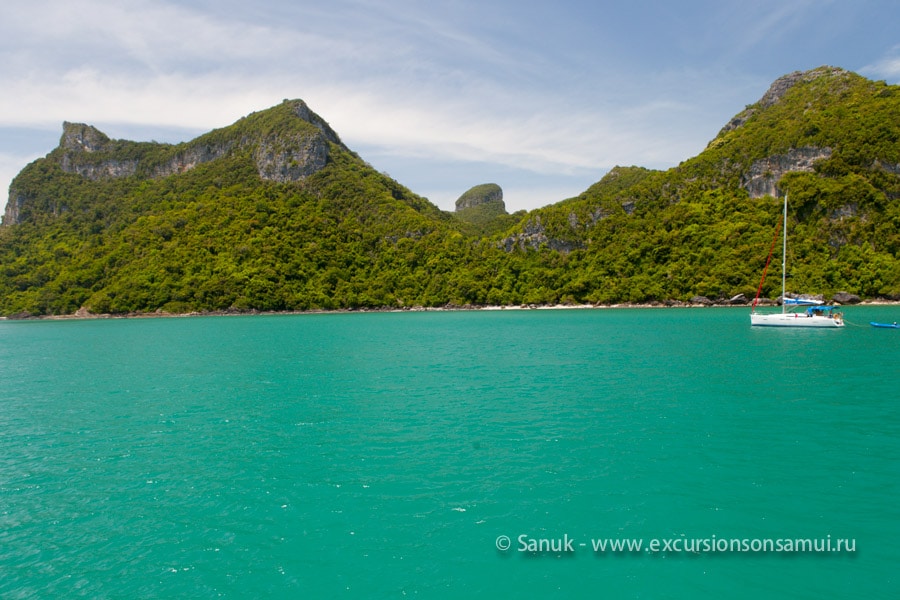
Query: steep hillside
[827, 137]
[275, 213]
[270, 213]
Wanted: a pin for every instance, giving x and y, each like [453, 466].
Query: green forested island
[275, 213]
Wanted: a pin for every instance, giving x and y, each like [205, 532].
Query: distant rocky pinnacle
[480, 195]
[77, 136]
[80, 141]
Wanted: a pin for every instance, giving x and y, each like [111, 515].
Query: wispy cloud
[754, 25]
[887, 67]
[415, 81]
[559, 91]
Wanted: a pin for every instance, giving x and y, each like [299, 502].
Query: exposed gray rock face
[303, 111]
[887, 167]
[534, 235]
[763, 174]
[292, 158]
[16, 199]
[602, 212]
[107, 168]
[283, 161]
[760, 180]
[190, 158]
[79, 139]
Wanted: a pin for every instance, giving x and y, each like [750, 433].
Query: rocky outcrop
[845, 298]
[763, 175]
[80, 137]
[302, 111]
[87, 151]
[13, 205]
[292, 157]
[778, 89]
[285, 160]
[533, 236]
[191, 157]
[480, 195]
[891, 168]
[108, 168]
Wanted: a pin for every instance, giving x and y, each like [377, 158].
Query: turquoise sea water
[385, 455]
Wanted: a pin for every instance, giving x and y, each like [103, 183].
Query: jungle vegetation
[220, 237]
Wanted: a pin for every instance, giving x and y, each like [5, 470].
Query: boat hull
[795, 320]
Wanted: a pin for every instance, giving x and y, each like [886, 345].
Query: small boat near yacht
[885, 325]
[816, 314]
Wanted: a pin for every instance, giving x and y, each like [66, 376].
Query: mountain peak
[79, 136]
[302, 110]
[782, 86]
[784, 83]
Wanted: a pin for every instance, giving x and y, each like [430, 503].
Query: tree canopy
[219, 236]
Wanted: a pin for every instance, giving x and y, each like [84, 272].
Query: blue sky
[542, 98]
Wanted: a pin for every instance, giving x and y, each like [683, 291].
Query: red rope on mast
[768, 260]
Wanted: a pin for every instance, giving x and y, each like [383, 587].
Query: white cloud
[887, 67]
[95, 97]
[521, 86]
[411, 79]
[751, 25]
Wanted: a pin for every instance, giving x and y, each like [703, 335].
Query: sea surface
[475, 454]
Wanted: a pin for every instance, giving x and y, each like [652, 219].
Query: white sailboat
[815, 315]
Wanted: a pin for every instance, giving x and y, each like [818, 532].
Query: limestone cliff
[763, 175]
[87, 151]
[13, 205]
[288, 143]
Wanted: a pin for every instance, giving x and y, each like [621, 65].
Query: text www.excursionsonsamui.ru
[527, 543]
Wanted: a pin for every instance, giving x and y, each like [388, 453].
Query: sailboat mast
[784, 256]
